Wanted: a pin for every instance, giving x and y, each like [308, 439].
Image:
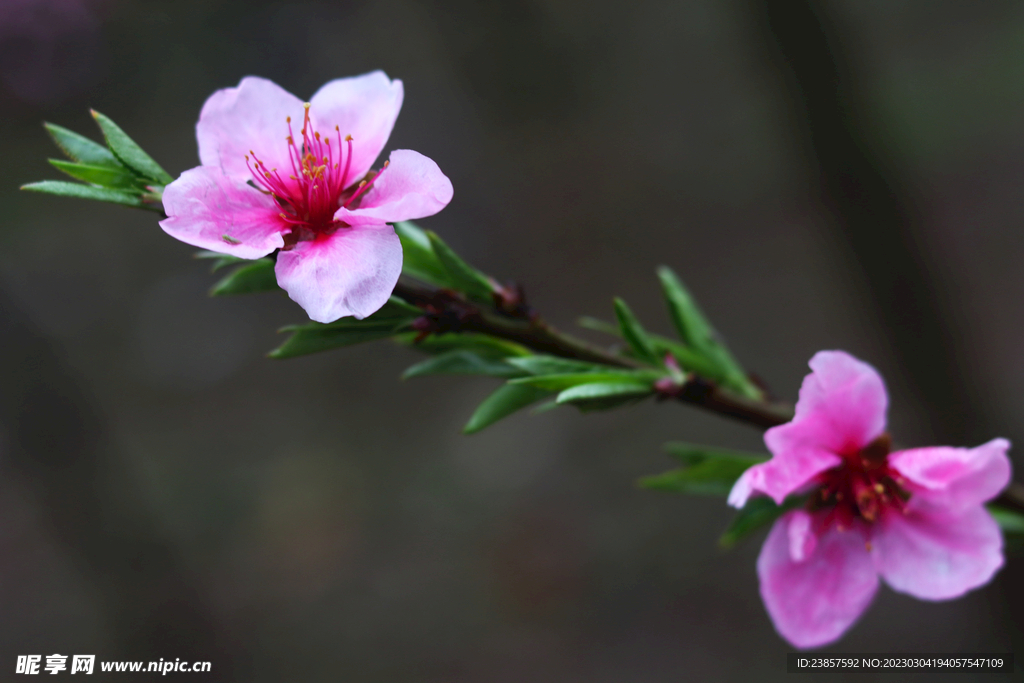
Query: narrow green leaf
[418, 258]
[219, 260]
[63, 188]
[598, 325]
[1010, 521]
[313, 339]
[552, 365]
[80, 148]
[562, 382]
[545, 407]
[710, 477]
[462, 276]
[596, 390]
[461, 363]
[757, 513]
[393, 317]
[692, 454]
[396, 307]
[106, 176]
[508, 399]
[128, 151]
[480, 344]
[695, 330]
[634, 334]
[690, 323]
[256, 276]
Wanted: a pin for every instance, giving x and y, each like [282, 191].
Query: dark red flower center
[862, 487]
[313, 189]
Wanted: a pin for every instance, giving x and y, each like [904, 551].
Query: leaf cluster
[118, 173]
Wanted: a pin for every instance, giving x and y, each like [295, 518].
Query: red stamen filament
[315, 188]
[863, 487]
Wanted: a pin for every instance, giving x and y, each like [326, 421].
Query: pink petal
[204, 205]
[412, 186]
[250, 117]
[795, 462]
[841, 409]
[815, 600]
[351, 272]
[845, 398]
[955, 479]
[936, 556]
[802, 539]
[364, 107]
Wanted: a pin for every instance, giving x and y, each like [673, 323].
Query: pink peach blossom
[313, 198]
[914, 517]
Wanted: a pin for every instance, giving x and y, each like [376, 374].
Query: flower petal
[207, 209]
[250, 117]
[815, 600]
[794, 463]
[936, 556]
[351, 272]
[845, 398]
[841, 409]
[955, 479]
[412, 186]
[364, 107]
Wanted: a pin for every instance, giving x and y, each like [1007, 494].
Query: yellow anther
[288, 119]
[348, 138]
[879, 488]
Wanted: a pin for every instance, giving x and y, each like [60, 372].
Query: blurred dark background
[822, 175]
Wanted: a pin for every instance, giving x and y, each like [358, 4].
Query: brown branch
[448, 311]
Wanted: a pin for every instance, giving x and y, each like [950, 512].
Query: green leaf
[561, 382]
[219, 260]
[603, 390]
[757, 513]
[418, 258]
[462, 276]
[81, 149]
[1010, 521]
[709, 471]
[695, 330]
[394, 317]
[552, 365]
[711, 477]
[634, 334]
[118, 178]
[693, 454]
[128, 152]
[396, 307]
[461, 363]
[598, 325]
[63, 188]
[508, 399]
[545, 407]
[256, 276]
[313, 339]
[480, 344]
